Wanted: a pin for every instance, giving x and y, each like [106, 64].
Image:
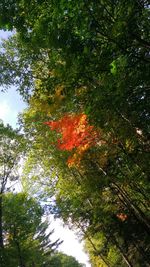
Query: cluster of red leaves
[122, 217]
[76, 133]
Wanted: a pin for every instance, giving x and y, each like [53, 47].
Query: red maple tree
[76, 133]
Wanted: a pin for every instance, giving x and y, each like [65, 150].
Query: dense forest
[83, 68]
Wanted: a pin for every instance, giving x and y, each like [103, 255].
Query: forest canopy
[83, 68]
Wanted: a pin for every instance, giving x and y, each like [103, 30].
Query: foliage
[24, 232]
[12, 148]
[62, 260]
[86, 60]
[76, 133]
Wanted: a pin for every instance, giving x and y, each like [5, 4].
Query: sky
[11, 104]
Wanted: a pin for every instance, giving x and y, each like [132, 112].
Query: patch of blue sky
[11, 104]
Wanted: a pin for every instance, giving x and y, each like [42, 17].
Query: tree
[12, 146]
[27, 239]
[76, 133]
[62, 260]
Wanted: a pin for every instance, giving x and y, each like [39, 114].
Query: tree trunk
[99, 254]
[21, 263]
[135, 210]
[1, 235]
[125, 258]
[1, 229]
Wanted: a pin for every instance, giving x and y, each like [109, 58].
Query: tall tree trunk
[139, 214]
[1, 229]
[1, 235]
[124, 256]
[135, 187]
[33, 264]
[21, 263]
[99, 254]
[134, 209]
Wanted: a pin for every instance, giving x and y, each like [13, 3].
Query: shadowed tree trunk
[1, 235]
[20, 259]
